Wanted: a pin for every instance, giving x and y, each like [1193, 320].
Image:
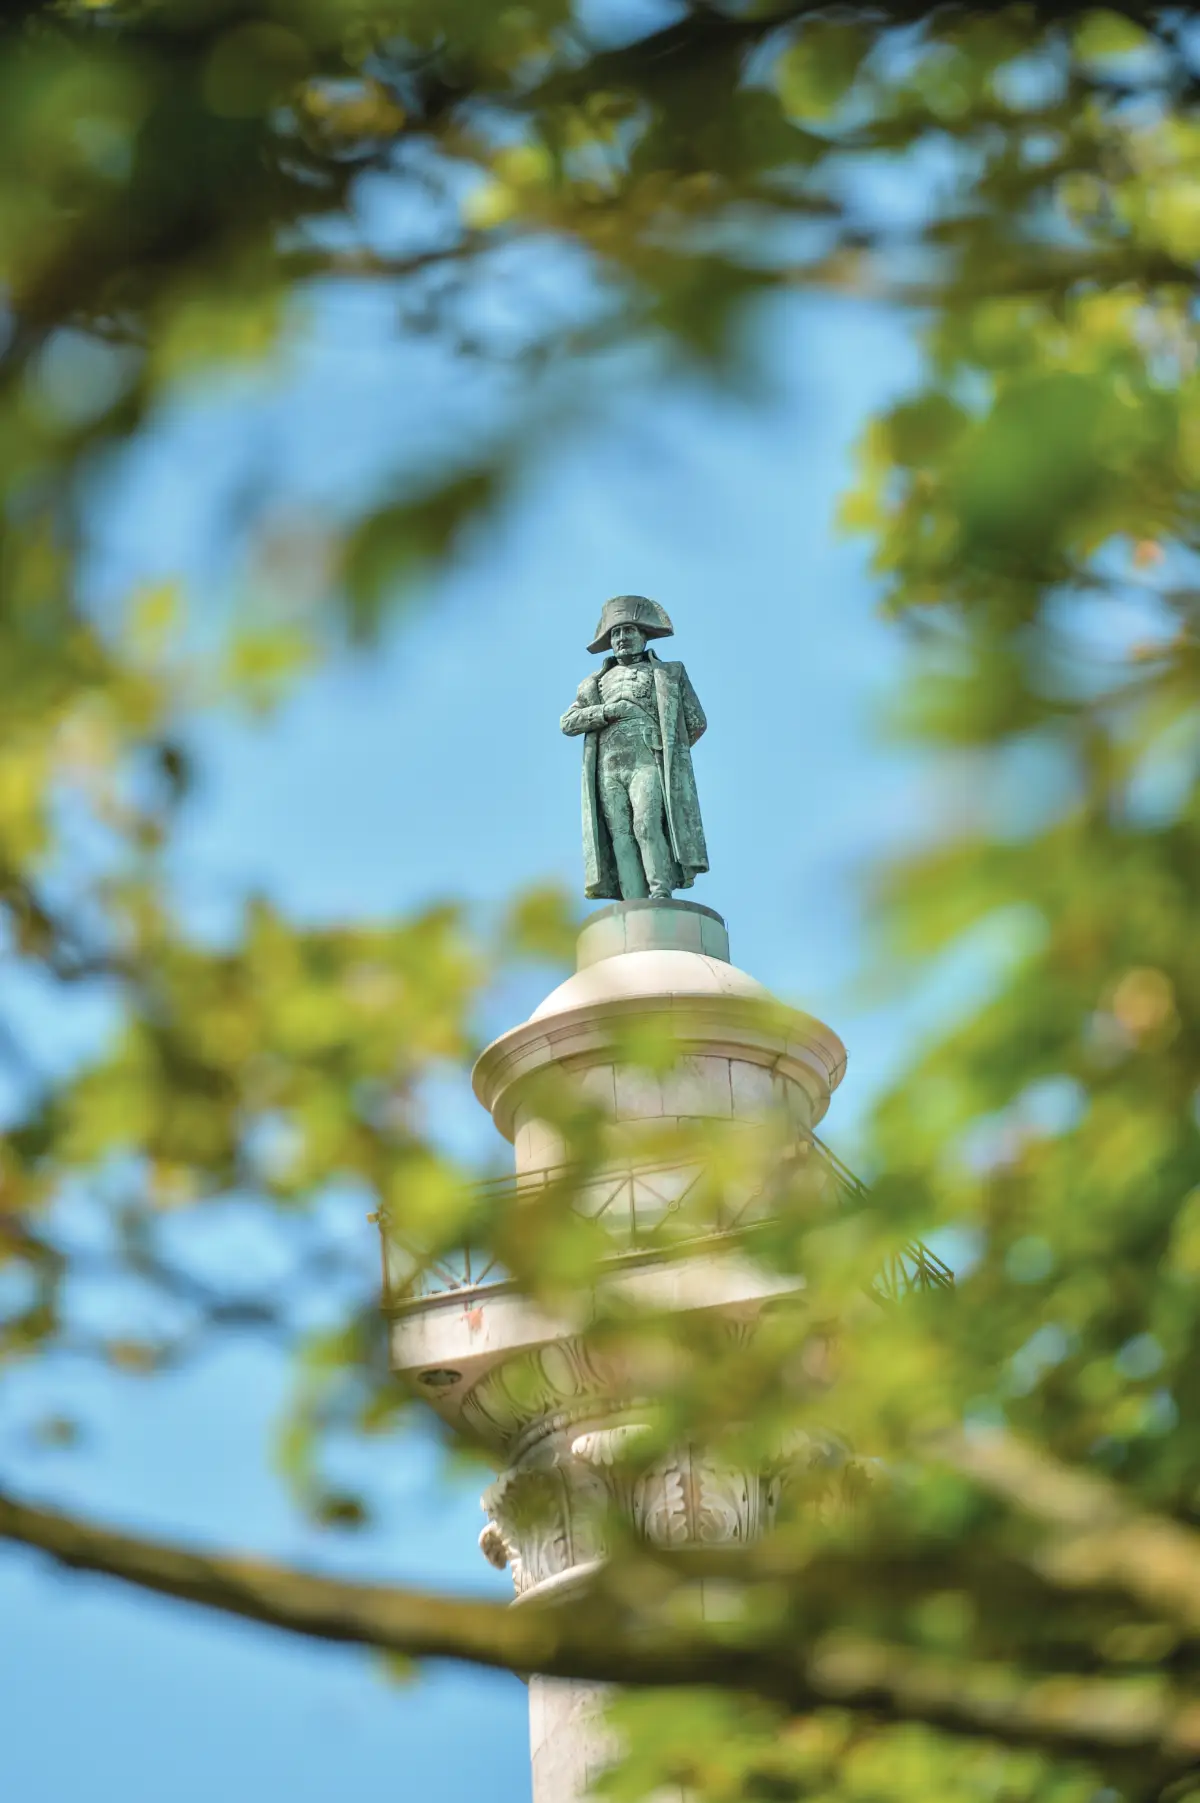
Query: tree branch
[362, 264]
[708, 33]
[595, 1639]
[1101, 1540]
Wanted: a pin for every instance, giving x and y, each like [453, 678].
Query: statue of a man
[642, 833]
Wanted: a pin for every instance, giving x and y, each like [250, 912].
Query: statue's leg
[619, 817]
[650, 828]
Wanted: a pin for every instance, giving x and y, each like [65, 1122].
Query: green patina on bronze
[642, 832]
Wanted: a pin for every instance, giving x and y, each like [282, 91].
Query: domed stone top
[664, 962]
[649, 973]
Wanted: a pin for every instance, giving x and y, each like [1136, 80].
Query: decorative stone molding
[685, 1499]
[494, 1547]
[608, 1446]
[547, 1518]
[562, 1381]
[539, 1387]
[555, 1510]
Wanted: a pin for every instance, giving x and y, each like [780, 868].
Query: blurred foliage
[178, 180]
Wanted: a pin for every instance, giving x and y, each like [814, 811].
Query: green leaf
[389, 549]
[818, 68]
[541, 923]
[1102, 34]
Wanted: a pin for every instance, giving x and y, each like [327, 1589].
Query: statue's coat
[680, 721]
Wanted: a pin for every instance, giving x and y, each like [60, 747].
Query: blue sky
[433, 767]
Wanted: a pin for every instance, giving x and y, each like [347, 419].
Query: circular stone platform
[646, 926]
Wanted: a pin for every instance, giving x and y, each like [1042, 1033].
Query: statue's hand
[619, 707]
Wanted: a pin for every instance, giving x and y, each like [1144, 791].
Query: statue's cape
[676, 699]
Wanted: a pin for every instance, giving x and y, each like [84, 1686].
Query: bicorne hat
[631, 610]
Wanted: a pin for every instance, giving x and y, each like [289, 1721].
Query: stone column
[554, 1410]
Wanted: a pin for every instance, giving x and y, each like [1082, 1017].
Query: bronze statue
[642, 833]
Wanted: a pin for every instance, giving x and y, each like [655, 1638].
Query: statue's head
[628, 641]
[648, 619]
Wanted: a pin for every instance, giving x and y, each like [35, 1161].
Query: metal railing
[644, 1196]
[912, 1267]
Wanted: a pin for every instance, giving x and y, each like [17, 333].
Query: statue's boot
[630, 874]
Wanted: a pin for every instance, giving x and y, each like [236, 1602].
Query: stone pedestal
[551, 1407]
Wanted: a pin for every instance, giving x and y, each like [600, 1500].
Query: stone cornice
[791, 1044]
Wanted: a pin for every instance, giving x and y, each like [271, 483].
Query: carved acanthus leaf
[494, 1546]
[610, 1446]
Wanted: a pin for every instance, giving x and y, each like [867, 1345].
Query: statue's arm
[693, 713]
[584, 715]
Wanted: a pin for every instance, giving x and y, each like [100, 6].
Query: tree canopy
[1014, 1612]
